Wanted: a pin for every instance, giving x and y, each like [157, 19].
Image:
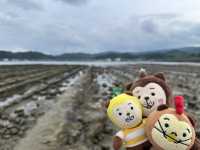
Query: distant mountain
[75, 56]
[25, 56]
[179, 54]
[189, 49]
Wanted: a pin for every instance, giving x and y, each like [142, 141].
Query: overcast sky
[60, 26]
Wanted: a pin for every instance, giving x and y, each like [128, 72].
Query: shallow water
[95, 63]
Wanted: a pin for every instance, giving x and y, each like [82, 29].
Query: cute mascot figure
[125, 111]
[151, 90]
[169, 128]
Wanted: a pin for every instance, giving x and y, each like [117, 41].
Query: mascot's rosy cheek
[161, 101]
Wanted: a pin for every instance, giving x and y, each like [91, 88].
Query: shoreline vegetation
[189, 54]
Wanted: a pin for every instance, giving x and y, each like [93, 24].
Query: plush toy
[152, 98]
[169, 128]
[125, 111]
[151, 90]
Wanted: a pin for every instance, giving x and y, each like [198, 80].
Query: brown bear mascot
[151, 90]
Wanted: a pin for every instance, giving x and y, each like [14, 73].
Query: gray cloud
[75, 2]
[25, 4]
[93, 28]
[141, 34]
[149, 26]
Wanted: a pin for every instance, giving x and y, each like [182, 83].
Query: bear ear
[142, 73]
[160, 75]
[162, 107]
[128, 86]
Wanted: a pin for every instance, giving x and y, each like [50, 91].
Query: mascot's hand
[117, 143]
[196, 145]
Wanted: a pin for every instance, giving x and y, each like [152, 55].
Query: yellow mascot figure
[125, 111]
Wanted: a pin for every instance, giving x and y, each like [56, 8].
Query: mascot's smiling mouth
[149, 104]
[170, 138]
[129, 118]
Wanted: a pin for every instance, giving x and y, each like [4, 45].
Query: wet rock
[22, 121]
[6, 136]
[105, 94]
[43, 93]
[30, 108]
[4, 116]
[49, 97]
[4, 123]
[20, 112]
[195, 98]
[12, 117]
[14, 130]
[105, 148]
[104, 85]
[53, 92]
[192, 104]
[110, 89]
[21, 133]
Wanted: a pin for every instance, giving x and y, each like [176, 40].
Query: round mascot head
[151, 90]
[170, 129]
[125, 111]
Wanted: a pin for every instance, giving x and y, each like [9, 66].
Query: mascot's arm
[117, 143]
[193, 121]
[196, 145]
[118, 140]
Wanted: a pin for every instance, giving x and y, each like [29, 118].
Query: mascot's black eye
[120, 114]
[131, 108]
[139, 97]
[166, 125]
[184, 134]
[153, 94]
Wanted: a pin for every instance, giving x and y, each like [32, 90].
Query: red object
[179, 104]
